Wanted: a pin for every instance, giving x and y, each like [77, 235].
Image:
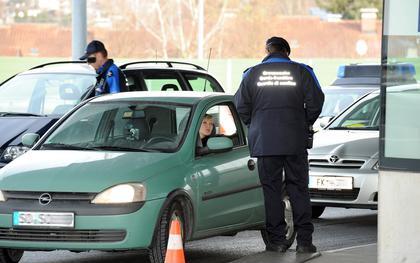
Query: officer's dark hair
[277, 45]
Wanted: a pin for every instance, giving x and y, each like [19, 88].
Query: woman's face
[206, 127]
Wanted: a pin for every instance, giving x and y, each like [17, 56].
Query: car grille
[340, 164]
[347, 195]
[62, 235]
[20, 195]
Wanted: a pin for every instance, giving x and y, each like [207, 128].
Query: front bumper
[133, 231]
[363, 195]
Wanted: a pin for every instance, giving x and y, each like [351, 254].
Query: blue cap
[93, 47]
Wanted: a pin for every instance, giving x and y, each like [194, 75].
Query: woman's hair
[208, 116]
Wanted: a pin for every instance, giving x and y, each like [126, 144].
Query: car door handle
[251, 165]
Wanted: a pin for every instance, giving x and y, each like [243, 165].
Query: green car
[112, 173]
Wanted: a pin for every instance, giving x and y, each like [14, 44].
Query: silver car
[344, 160]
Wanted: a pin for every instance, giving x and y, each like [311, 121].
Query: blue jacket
[110, 79]
[278, 99]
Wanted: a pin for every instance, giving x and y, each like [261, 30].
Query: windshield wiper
[354, 128]
[4, 114]
[339, 128]
[118, 148]
[63, 146]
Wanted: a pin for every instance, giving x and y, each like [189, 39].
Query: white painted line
[348, 248]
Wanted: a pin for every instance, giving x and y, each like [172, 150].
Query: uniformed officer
[279, 100]
[110, 78]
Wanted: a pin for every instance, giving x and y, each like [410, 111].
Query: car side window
[220, 120]
[156, 81]
[202, 83]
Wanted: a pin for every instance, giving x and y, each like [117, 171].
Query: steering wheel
[158, 139]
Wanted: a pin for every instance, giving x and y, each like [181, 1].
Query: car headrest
[130, 80]
[69, 92]
[169, 87]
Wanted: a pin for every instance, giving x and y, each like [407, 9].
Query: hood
[13, 128]
[346, 143]
[81, 171]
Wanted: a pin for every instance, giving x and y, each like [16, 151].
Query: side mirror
[30, 139]
[324, 121]
[219, 144]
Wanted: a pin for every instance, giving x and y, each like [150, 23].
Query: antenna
[208, 60]
[156, 54]
[208, 66]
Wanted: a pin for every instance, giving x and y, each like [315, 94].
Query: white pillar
[229, 76]
[398, 217]
[200, 31]
[79, 28]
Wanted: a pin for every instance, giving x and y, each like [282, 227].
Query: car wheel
[8, 255]
[158, 250]
[317, 211]
[290, 229]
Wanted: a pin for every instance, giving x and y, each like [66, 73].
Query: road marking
[348, 248]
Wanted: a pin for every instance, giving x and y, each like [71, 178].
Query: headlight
[13, 152]
[2, 199]
[123, 193]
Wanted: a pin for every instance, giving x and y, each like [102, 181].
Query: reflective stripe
[174, 242]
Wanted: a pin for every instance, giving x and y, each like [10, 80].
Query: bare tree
[175, 22]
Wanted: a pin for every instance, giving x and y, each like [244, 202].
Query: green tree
[350, 9]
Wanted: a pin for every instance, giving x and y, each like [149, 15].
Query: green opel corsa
[112, 173]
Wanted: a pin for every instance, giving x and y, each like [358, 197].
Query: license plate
[331, 182]
[43, 219]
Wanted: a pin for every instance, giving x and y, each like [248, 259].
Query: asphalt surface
[337, 228]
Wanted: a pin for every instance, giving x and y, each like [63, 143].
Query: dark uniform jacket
[278, 100]
[110, 79]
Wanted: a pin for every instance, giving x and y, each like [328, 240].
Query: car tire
[157, 252]
[317, 211]
[8, 255]
[290, 229]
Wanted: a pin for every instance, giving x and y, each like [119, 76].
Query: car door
[227, 187]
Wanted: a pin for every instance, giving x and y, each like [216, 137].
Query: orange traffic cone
[175, 250]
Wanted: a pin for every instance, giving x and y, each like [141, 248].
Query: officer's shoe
[306, 249]
[276, 247]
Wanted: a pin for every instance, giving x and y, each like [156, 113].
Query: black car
[32, 101]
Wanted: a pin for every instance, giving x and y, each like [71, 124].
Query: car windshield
[337, 100]
[43, 94]
[364, 115]
[122, 126]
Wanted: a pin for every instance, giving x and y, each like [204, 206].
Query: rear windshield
[44, 94]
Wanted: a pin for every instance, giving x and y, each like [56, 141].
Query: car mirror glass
[219, 144]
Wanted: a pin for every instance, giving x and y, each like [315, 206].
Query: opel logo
[333, 159]
[45, 199]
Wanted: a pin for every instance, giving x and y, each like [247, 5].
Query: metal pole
[79, 28]
[200, 31]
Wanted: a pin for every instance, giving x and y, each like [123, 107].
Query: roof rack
[58, 62]
[170, 64]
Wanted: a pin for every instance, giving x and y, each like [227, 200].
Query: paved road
[337, 228]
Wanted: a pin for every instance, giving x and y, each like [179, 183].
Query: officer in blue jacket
[279, 100]
[110, 78]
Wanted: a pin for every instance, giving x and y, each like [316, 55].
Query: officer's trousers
[270, 169]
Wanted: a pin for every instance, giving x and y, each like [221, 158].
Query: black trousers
[270, 169]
